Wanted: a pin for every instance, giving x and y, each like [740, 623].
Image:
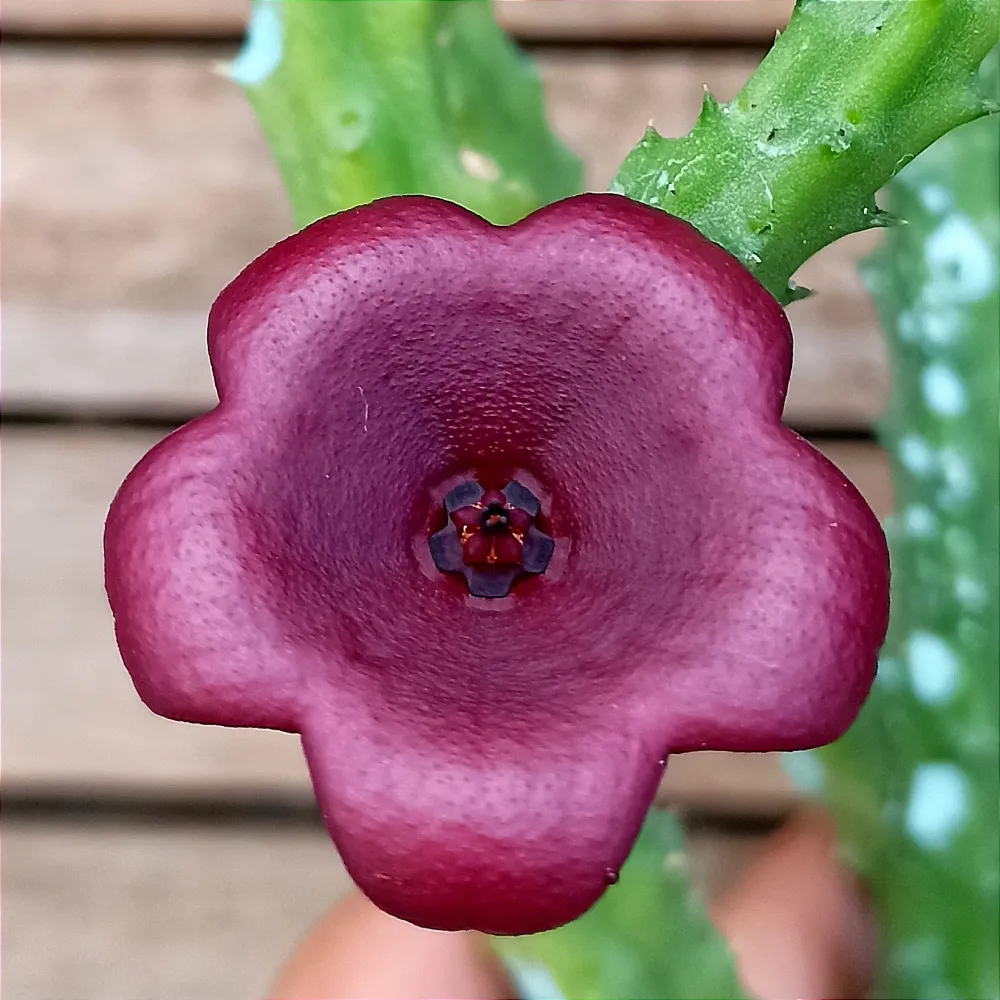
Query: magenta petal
[782, 625]
[522, 835]
[713, 581]
[203, 640]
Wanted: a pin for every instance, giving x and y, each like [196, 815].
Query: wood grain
[126, 912]
[645, 21]
[118, 912]
[151, 18]
[136, 184]
[74, 724]
[592, 20]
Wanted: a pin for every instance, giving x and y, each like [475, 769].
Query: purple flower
[709, 580]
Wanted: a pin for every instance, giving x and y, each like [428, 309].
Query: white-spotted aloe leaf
[914, 784]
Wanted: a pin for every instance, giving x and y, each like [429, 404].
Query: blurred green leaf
[648, 937]
[360, 99]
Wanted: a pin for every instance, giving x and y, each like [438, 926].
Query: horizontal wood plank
[73, 723]
[136, 184]
[530, 20]
[151, 18]
[123, 912]
[644, 21]
[119, 912]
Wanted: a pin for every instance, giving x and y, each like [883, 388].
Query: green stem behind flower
[647, 938]
[851, 92]
[361, 99]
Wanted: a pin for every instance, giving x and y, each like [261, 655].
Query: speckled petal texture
[715, 583]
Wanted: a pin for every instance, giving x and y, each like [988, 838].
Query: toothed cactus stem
[849, 94]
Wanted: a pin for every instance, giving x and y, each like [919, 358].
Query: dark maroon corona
[491, 538]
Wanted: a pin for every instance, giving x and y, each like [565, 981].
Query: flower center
[495, 518]
[491, 537]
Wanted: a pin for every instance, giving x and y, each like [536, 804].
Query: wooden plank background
[672, 21]
[136, 183]
[120, 910]
[113, 910]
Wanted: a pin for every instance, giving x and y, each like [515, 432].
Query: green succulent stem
[848, 94]
[361, 99]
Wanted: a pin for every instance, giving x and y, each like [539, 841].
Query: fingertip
[798, 920]
[358, 952]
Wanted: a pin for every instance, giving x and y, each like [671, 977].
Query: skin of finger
[797, 919]
[359, 952]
